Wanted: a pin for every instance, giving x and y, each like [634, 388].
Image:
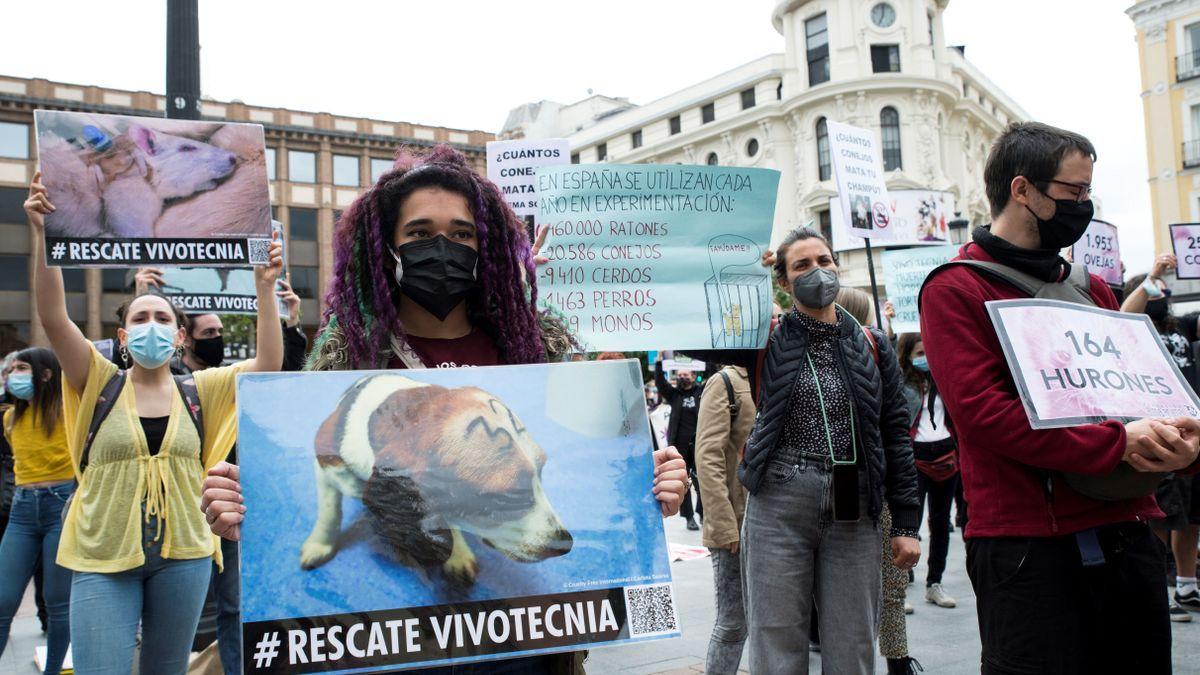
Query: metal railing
[1191, 154]
[1187, 66]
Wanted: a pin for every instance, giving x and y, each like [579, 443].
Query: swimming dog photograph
[431, 491]
[132, 191]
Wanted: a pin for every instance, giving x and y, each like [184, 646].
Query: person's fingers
[1140, 463]
[672, 467]
[228, 526]
[540, 260]
[1153, 450]
[221, 483]
[1170, 435]
[226, 470]
[540, 238]
[218, 495]
[733, 548]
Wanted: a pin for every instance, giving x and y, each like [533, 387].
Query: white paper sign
[1100, 251]
[858, 169]
[922, 218]
[1076, 364]
[512, 166]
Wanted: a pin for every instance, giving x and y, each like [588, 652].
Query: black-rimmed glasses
[1083, 191]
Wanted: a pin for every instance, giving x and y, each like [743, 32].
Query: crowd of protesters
[818, 456]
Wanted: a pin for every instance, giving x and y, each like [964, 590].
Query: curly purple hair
[363, 295]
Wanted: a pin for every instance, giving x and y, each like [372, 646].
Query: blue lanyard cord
[825, 418]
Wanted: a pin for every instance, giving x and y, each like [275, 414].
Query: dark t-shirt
[155, 429]
[474, 349]
[688, 409]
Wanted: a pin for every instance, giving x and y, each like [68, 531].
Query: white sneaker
[937, 595]
[908, 608]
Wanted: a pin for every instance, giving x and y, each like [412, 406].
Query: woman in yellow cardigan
[44, 481]
[134, 533]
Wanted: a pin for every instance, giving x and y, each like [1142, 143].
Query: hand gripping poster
[143, 191]
[411, 518]
[645, 255]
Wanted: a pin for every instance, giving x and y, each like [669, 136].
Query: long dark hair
[363, 294]
[46, 404]
[912, 376]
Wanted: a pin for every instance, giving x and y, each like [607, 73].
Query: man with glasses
[1064, 583]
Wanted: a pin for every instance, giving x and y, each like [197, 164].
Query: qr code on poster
[651, 610]
[260, 251]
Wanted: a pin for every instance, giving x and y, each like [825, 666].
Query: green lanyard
[825, 417]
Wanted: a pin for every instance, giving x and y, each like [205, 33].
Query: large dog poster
[1076, 364]
[643, 256]
[145, 191]
[420, 517]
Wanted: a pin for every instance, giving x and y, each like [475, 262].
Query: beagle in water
[430, 463]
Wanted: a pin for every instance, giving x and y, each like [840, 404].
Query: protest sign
[512, 166]
[1100, 251]
[144, 191]
[903, 273]
[1186, 240]
[862, 191]
[216, 290]
[1076, 364]
[920, 218]
[645, 256]
[510, 513]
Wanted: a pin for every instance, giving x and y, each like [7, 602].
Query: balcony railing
[1191, 154]
[1187, 66]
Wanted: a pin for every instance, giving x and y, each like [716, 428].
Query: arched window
[711, 160]
[824, 170]
[889, 126]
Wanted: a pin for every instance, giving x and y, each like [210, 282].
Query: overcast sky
[465, 64]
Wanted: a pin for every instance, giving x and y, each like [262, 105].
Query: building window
[712, 159]
[889, 125]
[12, 205]
[752, 147]
[885, 58]
[747, 99]
[14, 335]
[116, 280]
[779, 92]
[345, 170]
[302, 166]
[304, 280]
[270, 163]
[1187, 64]
[14, 140]
[337, 217]
[931, 40]
[708, 113]
[816, 39]
[676, 124]
[636, 139]
[379, 167]
[574, 157]
[14, 273]
[825, 225]
[602, 152]
[304, 224]
[824, 169]
[74, 281]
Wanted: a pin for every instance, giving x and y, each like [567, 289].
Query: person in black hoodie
[684, 399]
[830, 446]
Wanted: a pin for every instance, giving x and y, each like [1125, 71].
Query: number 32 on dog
[1088, 344]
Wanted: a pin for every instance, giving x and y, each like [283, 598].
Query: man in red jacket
[1064, 583]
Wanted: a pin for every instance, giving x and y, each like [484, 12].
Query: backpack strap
[104, 405]
[734, 406]
[1077, 287]
[191, 401]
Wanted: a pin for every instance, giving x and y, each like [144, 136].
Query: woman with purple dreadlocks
[432, 269]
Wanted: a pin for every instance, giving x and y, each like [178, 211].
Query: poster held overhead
[920, 218]
[646, 256]
[512, 514]
[218, 290]
[143, 191]
[1100, 250]
[858, 171]
[512, 166]
[1186, 240]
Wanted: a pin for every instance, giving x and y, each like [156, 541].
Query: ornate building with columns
[880, 64]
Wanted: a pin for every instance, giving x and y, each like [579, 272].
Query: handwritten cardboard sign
[644, 256]
[1076, 364]
[904, 272]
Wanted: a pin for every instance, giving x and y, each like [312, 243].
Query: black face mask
[1158, 310]
[1066, 226]
[209, 351]
[436, 273]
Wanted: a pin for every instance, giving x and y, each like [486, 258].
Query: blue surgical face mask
[151, 344]
[20, 385]
[921, 363]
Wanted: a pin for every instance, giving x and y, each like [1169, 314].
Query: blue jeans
[165, 596]
[34, 525]
[229, 624]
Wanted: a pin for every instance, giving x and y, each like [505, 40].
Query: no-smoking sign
[883, 215]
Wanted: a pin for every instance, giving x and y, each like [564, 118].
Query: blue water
[599, 488]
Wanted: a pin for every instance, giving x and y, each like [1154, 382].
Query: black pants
[688, 450]
[941, 497]
[1042, 611]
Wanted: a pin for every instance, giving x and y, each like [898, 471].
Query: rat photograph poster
[440, 516]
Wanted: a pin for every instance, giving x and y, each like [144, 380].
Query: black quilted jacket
[877, 391]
